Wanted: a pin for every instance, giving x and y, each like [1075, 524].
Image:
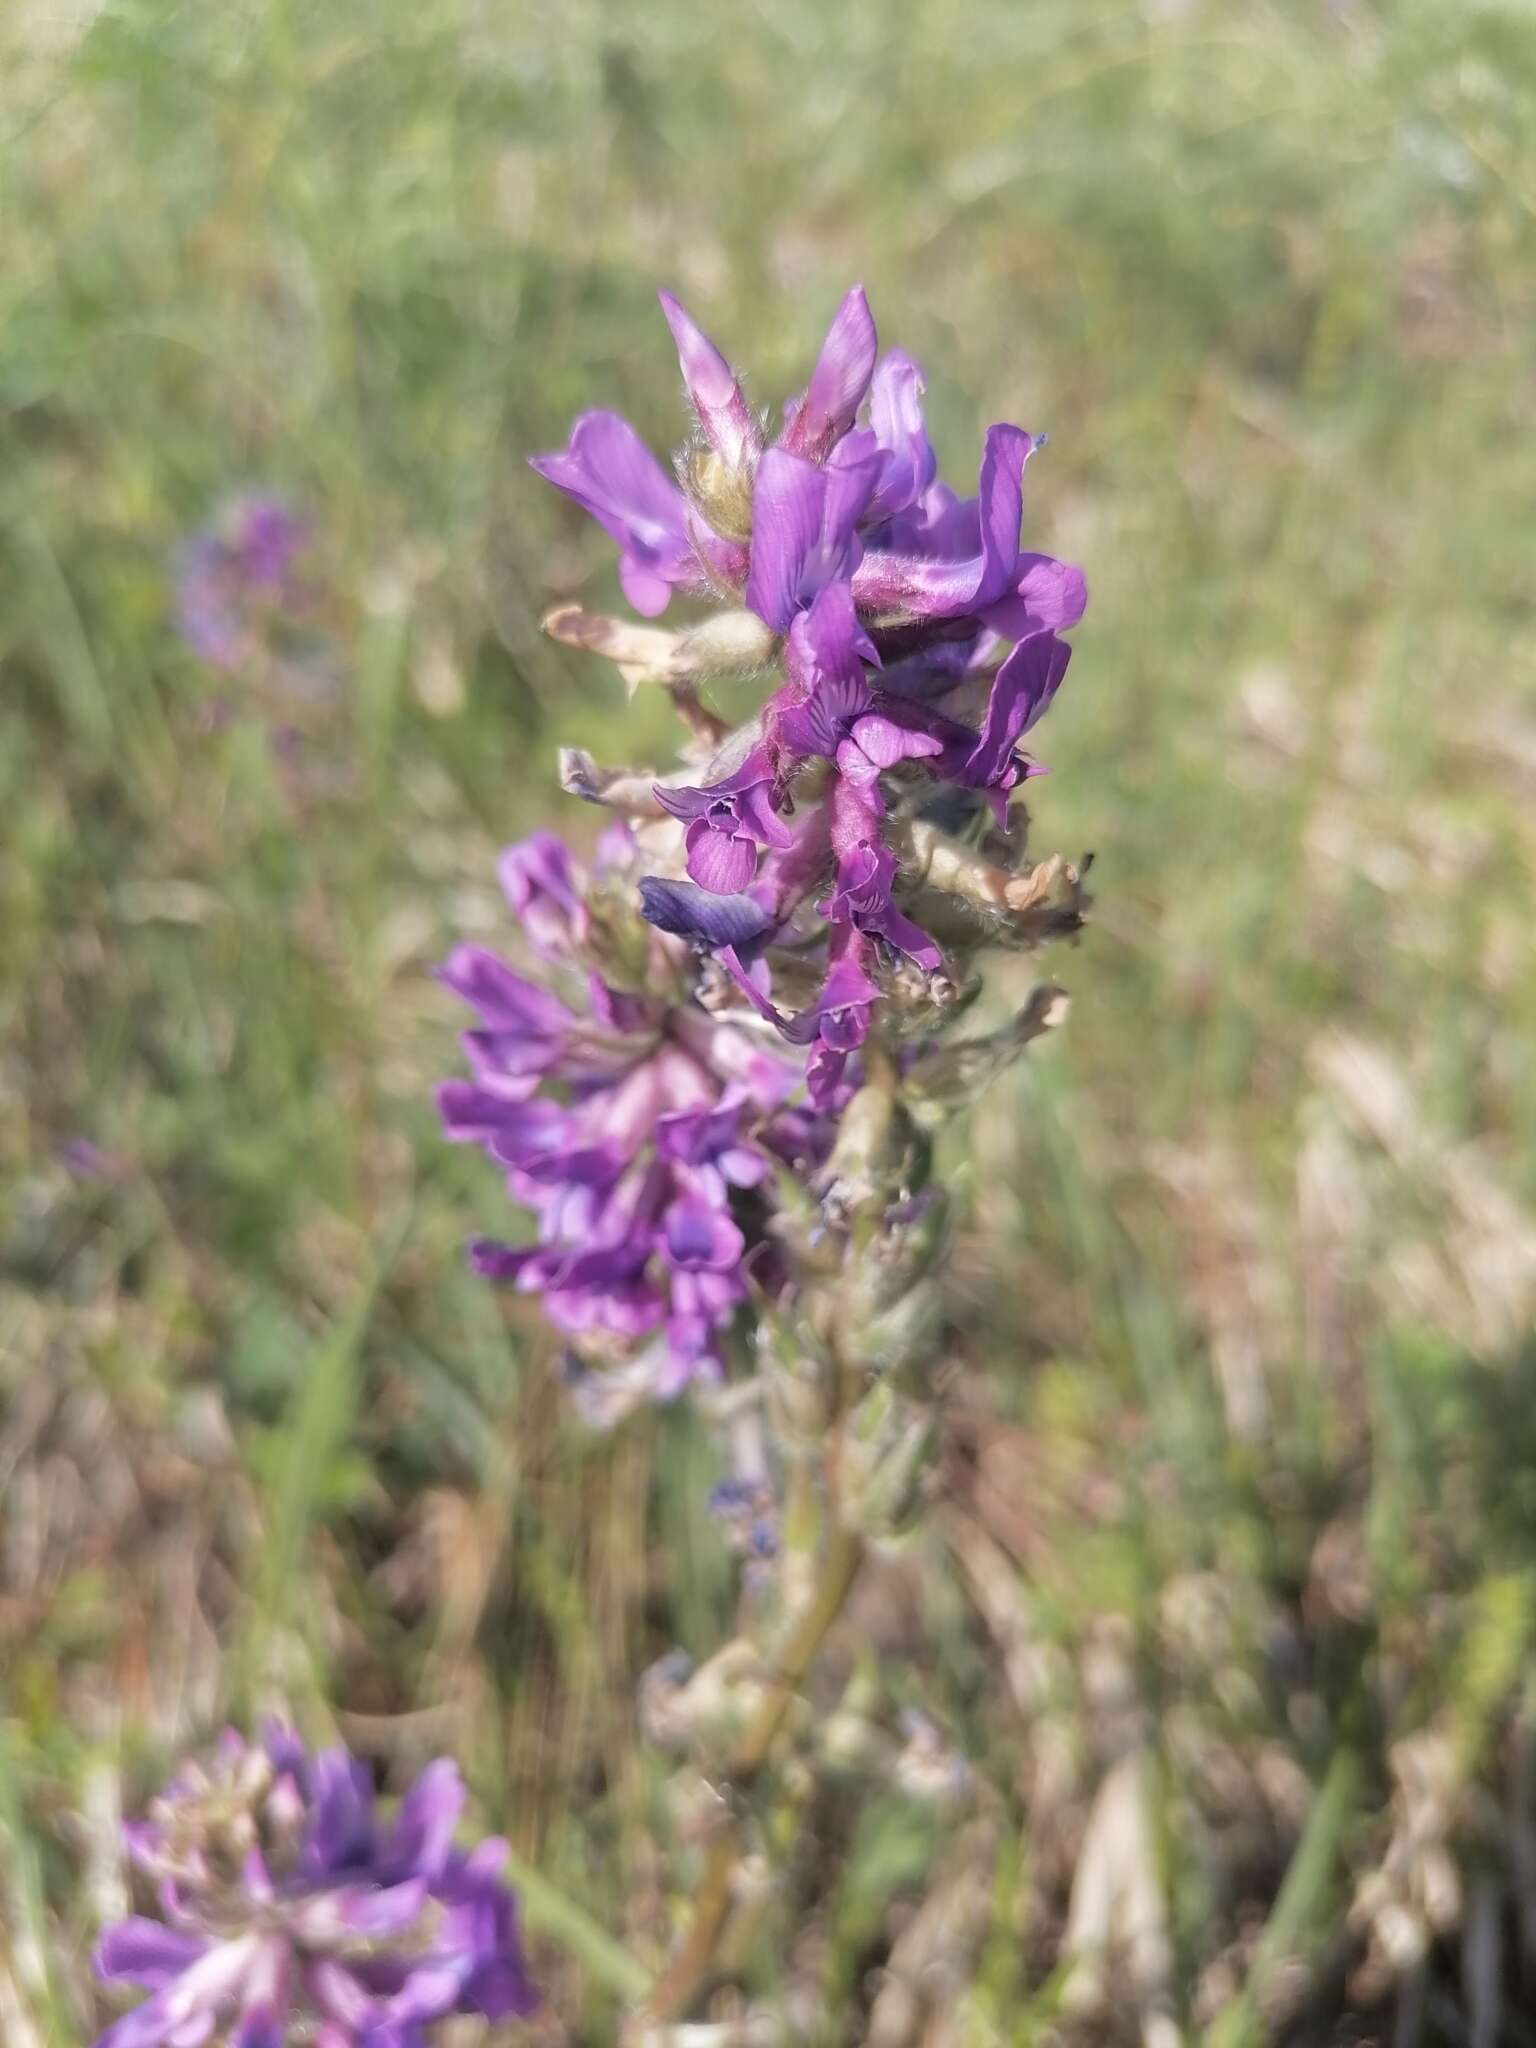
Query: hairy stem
[675, 1991]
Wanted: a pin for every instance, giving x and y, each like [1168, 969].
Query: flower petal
[1022, 691]
[693, 913]
[699, 1236]
[1049, 596]
[838, 382]
[140, 1951]
[422, 1836]
[896, 416]
[608, 470]
[730, 425]
[938, 585]
[719, 861]
[804, 522]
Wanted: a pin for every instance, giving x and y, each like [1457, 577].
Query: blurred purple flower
[234, 575]
[288, 1912]
[635, 1126]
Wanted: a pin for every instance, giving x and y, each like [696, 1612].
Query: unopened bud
[722, 491]
[888, 1445]
[906, 1336]
[735, 643]
[801, 1385]
[874, 1144]
[630, 790]
[950, 1078]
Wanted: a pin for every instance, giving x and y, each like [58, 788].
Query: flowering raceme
[640, 1130]
[288, 1913]
[888, 603]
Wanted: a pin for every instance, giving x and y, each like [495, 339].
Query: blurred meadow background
[1229, 1594]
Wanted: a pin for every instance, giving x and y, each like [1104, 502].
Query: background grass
[1242, 1485]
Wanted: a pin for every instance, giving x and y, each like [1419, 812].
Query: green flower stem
[679, 1986]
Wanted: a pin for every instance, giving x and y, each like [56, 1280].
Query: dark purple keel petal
[608, 470]
[693, 913]
[838, 382]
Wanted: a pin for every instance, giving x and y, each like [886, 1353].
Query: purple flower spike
[637, 1235]
[730, 426]
[611, 474]
[294, 1916]
[838, 382]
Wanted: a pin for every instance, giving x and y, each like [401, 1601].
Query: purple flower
[727, 823]
[235, 576]
[288, 1911]
[611, 473]
[836, 1024]
[630, 1122]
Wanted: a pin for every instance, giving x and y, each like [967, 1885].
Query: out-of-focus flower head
[918, 645]
[641, 1131]
[288, 1912]
[236, 576]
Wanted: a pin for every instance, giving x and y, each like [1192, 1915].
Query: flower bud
[735, 643]
[888, 1444]
[721, 490]
[907, 1336]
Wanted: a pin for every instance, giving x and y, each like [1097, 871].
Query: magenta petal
[885, 743]
[1049, 596]
[838, 382]
[933, 585]
[896, 416]
[1022, 692]
[828, 640]
[718, 861]
[699, 1236]
[730, 425]
[804, 531]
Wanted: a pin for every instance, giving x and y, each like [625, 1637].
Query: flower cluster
[888, 603]
[288, 1913]
[236, 575]
[641, 1130]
